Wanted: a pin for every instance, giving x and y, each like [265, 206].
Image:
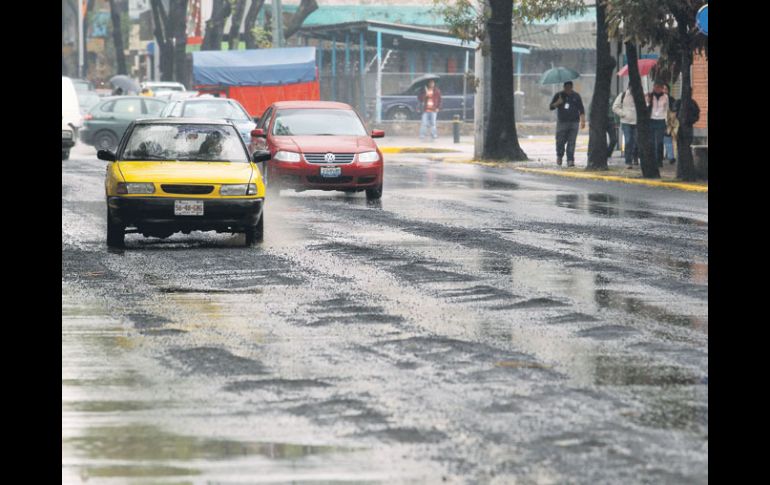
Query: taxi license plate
[331, 172]
[188, 207]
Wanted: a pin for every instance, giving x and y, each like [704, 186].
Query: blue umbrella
[558, 75]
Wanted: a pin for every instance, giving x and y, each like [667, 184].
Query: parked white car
[71, 119]
[162, 88]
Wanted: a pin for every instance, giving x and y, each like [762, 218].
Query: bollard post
[456, 128]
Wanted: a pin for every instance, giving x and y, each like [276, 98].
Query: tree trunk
[215, 26]
[117, 36]
[597, 124]
[501, 141]
[234, 37]
[685, 167]
[644, 131]
[163, 48]
[251, 23]
[293, 23]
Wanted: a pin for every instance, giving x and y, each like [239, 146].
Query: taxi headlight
[283, 156]
[238, 189]
[368, 157]
[135, 188]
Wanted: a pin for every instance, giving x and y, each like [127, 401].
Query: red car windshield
[318, 122]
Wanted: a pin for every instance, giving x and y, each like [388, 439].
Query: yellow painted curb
[417, 150]
[613, 178]
[582, 175]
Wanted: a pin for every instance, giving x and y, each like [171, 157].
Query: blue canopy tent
[259, 77]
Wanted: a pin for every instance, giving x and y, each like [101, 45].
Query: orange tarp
[257, 98]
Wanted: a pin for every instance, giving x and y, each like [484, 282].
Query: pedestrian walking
[430, 104]
[625, 109]
[658, 103]
[672, 127]
[571, 116]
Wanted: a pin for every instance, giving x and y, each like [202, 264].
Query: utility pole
[482, 71]
[277, 23]
[81, 40]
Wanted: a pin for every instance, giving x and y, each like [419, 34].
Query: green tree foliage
[490, 22]
[670, 26]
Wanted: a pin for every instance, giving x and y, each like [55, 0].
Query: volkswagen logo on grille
[329, 157]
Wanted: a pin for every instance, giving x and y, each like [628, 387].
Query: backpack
[694, 114]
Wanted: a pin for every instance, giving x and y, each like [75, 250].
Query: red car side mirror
[258, 133]
[378, 133]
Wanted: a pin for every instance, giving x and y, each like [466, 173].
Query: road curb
[689, 187]
[417, 150]
[614, 178]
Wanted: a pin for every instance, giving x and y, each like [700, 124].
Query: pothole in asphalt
[215, 361]
[279, 385]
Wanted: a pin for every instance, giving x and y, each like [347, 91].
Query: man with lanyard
[571, 114]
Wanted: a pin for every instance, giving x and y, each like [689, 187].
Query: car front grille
[187, 189]
[321, 157]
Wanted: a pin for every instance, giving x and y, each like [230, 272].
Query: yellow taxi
[181, 175]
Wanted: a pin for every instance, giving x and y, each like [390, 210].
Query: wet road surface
[477, 325]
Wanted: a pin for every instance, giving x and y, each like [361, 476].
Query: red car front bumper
[307, 176]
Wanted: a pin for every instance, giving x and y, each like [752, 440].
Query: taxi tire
[255, 234]
[116, 233]
[375, 193]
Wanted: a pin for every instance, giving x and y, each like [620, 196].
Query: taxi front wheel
[255, 234]
[116, 233]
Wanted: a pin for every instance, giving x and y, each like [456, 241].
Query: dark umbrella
[422, 80]
[125, 83]
[558, 75]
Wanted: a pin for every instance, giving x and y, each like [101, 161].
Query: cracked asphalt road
[477, 325]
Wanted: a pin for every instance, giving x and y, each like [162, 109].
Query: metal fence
[531, 99]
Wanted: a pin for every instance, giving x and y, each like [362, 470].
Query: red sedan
[319, 145]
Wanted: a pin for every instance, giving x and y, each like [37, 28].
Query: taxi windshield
[185, 142]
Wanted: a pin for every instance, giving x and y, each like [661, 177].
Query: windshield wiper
[201, 160]
[150, 157]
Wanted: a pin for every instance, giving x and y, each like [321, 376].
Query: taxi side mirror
[258, 133]
[261, 156]
[106, 155]
[378, 133]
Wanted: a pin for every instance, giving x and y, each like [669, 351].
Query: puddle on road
[589, 287]
[621, 301]
[683, 410]
[178, 289]
[108, 406]
[627, 371]
[146, 446]
[215, 361]
[606, 205]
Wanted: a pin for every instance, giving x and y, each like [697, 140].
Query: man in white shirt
[658, 103]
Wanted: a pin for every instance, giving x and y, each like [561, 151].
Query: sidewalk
[541, 151]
